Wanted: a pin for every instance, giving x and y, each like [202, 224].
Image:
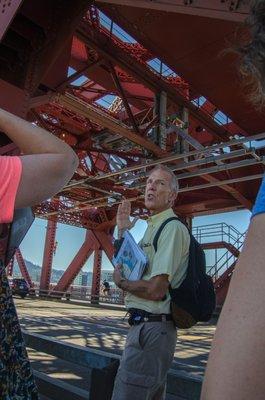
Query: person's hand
[119, 280]
[123, 216]
[117, 275]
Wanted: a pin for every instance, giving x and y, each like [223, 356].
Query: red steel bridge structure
[130, 84]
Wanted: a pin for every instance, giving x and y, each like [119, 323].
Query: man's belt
[136, 316]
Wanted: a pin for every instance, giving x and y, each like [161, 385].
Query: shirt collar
[160, 216]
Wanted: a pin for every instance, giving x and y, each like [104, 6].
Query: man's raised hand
[123, 216]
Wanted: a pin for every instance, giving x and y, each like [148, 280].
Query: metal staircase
[220, 266]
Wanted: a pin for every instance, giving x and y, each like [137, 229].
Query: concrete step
[64, 370]
[55, 389]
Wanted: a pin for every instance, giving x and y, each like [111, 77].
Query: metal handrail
[224, 231]
[238, 246]
[71, 295]
[218, 224]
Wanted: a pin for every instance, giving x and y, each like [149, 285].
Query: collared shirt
[171, 258]
[10, 174]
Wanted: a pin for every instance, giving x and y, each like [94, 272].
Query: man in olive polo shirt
[151, 340]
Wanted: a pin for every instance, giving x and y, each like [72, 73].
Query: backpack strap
[158, 233]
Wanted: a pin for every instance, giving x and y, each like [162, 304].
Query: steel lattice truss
[125, 105]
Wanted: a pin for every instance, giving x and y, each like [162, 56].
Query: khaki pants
[147, 357]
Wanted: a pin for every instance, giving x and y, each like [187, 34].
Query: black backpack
[194, 300]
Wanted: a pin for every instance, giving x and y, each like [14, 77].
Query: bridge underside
[130, 87]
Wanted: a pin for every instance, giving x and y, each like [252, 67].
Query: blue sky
[71, 238]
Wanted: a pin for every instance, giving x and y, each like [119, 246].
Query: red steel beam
[106, 226]
[77, 74]
[221, 245]
[218, 9]
[232, 191]
[85, 251]
[123, 96]
[97, 40]
[8, 10]
[103, 119]
[23, 268]
[106, 243]
[48, 255]
[58, 35]
[204, 206]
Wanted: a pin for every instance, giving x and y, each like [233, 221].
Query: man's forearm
[141, 288]
[30, 138]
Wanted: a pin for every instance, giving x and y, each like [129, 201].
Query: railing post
[215, 272]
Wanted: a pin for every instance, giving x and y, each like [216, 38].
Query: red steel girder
[44, 59]
[203, 206]
[96, 116]
[232, 190]
[123, 96]
[100, 74]
[8, 10]
[200, 55]
[99, 162]
[106, 242]
[77, 74]
[139, 51]
[85, 251]
[97, 40]
[65, 119]
[221, 245]
[107, 226]
[23, 268]
[48, 255]
[220, 9]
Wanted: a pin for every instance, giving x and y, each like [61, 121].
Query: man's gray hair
[174, 182]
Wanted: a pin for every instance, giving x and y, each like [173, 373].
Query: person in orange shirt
[235, 369]
[46, 164]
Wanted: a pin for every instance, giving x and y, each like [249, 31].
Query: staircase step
[221, 245]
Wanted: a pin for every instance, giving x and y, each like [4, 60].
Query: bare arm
[235, 369]
[48, 163]
[154, 289]
[123, 217]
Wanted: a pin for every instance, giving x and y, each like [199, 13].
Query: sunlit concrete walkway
[101, 329]
[105, 329]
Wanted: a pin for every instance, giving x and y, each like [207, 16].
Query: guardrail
[216, 232]
[115, 298]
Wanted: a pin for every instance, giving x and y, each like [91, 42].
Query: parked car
[19, 287]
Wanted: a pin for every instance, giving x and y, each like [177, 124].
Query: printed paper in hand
[131, 257]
